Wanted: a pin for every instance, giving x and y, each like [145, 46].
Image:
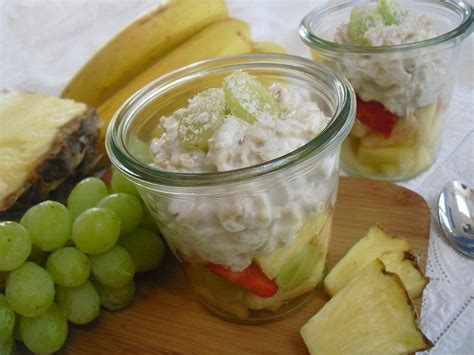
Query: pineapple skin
[373, 314]
[45, 141]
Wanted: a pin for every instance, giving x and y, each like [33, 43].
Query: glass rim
[338, 127]
[308, 37]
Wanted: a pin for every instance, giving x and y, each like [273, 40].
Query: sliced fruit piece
[395, 154]
[371, 315]
[390, 11]
[222, 289]
[374, 115]
[366, 250]
[251, 279]
[248, 98]
[224, 37]
[362, 18]
[298, 268]
[236, 310]
[406, 267]
[268, 47]
[282, 296]
[271, 263]
[359, 129]
[139, 45]
[403, 132]
[43, 141]
[349, 157]
[202, 118]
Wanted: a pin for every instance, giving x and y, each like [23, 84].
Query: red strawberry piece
[251, 278]
[375, 116]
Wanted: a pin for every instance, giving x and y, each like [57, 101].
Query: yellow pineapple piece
[403, 133]
[282, 296]
[271, 263]
[406, 267]
[236, 310]
[395, 154]
[366, 250]
[359, 129]
[373, 314]
[349, 157]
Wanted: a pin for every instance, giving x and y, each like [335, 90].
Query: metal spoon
[456, 216]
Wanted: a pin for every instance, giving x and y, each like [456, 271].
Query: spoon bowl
[455, 215]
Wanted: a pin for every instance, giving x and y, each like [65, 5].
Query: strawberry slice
[252, 279]
[375, 116]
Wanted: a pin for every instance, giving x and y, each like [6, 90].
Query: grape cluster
[61, 263]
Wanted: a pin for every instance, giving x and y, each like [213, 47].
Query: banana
[141, 43]
[224, 37]
[267, 47]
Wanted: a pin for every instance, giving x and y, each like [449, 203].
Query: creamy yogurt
[401, 83]
[249, 220]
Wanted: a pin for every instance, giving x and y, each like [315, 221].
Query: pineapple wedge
[371, 315]
[43, 141]
[366, 250]
[405, 266]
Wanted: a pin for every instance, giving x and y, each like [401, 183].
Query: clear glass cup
[413, 81]
[274, 217]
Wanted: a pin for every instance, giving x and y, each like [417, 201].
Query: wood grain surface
[167, 318]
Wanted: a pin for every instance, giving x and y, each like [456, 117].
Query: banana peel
[224, 37]
[138, 45]
[268, 47]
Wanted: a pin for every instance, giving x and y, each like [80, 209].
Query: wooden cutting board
[167, 318]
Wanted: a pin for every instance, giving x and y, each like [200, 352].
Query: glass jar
[403, 91]
[267, 223]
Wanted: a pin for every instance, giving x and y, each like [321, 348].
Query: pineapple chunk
[282, 296]
[236, 310]
[371, 315]
[366, 250]
[349, 157]
[403, 133]
[395, 154]
[271, 263]
[405, 266]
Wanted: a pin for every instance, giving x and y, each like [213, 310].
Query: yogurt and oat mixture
[400, 93]
[231, 231]
[401, 83]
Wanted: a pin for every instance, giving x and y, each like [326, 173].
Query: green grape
[148, 222]
[16, 329]
[298, 268]
[81, 304]
[145, 248]
[7, 347]
[202, 118]
[29, 290]
[120, 183]
[115, 299]
[7, 319]
[390, 11]
[86, 194]
[96, 230]
[127, 207]
[37, 255]
[15, 245]
[248, 98]
[114, 268]
[45, 333]
[362, 18]
[49, 225]
[68, 267]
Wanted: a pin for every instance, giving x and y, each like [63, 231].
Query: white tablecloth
[44, 42]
